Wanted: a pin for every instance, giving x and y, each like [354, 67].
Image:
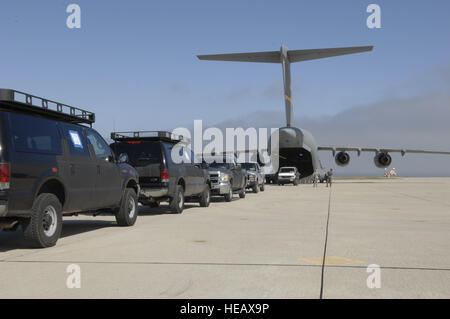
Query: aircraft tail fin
[286, 57]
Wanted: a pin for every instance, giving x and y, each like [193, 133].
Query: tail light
[165, 176]
[5, 175]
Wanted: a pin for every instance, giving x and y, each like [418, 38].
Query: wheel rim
[207, 195]
[49, 221]
[131, 207]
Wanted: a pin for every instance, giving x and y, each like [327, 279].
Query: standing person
[315, 178]
[329, 177]
[392, 172]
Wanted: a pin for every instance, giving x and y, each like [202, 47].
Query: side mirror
[123, 158]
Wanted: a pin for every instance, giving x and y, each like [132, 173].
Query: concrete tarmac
[268, 245]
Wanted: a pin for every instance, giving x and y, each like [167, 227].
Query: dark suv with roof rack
[52, 165]
[167, 168]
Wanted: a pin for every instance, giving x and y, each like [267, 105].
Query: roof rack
[27, 102]
[149, 136]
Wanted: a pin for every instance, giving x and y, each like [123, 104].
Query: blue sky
[134, 64]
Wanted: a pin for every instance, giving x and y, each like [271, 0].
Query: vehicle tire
[176, 204]
[205, 197]
[44, 226]
[242, 193]
[262, 188]
[295, 183]
[229, 196]
[255, 188]
[127, 213]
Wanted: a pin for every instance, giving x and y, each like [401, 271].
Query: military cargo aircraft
[297, 147]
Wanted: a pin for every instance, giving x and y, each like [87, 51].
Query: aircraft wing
[304, 55]
[342, 149]
[377, 150]
[267, 57]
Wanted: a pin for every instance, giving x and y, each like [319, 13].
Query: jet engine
[382, 160]
[342, 159]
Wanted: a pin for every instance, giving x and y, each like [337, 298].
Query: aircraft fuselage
[298, 148]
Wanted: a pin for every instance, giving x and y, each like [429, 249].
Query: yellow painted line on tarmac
[332, 261]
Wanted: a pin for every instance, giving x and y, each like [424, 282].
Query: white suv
[288, 175]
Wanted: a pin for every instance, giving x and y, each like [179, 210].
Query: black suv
[161, 176]
[51, 165]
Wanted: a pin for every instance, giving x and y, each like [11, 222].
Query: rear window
[35, 135]
[287, 170]
[249, 166]
[140, 153]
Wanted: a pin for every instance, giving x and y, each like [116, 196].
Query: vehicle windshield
[140, 153]
[219, 165]
[249, 166]
[287, 170]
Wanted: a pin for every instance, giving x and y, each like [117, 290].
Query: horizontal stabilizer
[305, 55]
[292, 55]
[267, 57]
